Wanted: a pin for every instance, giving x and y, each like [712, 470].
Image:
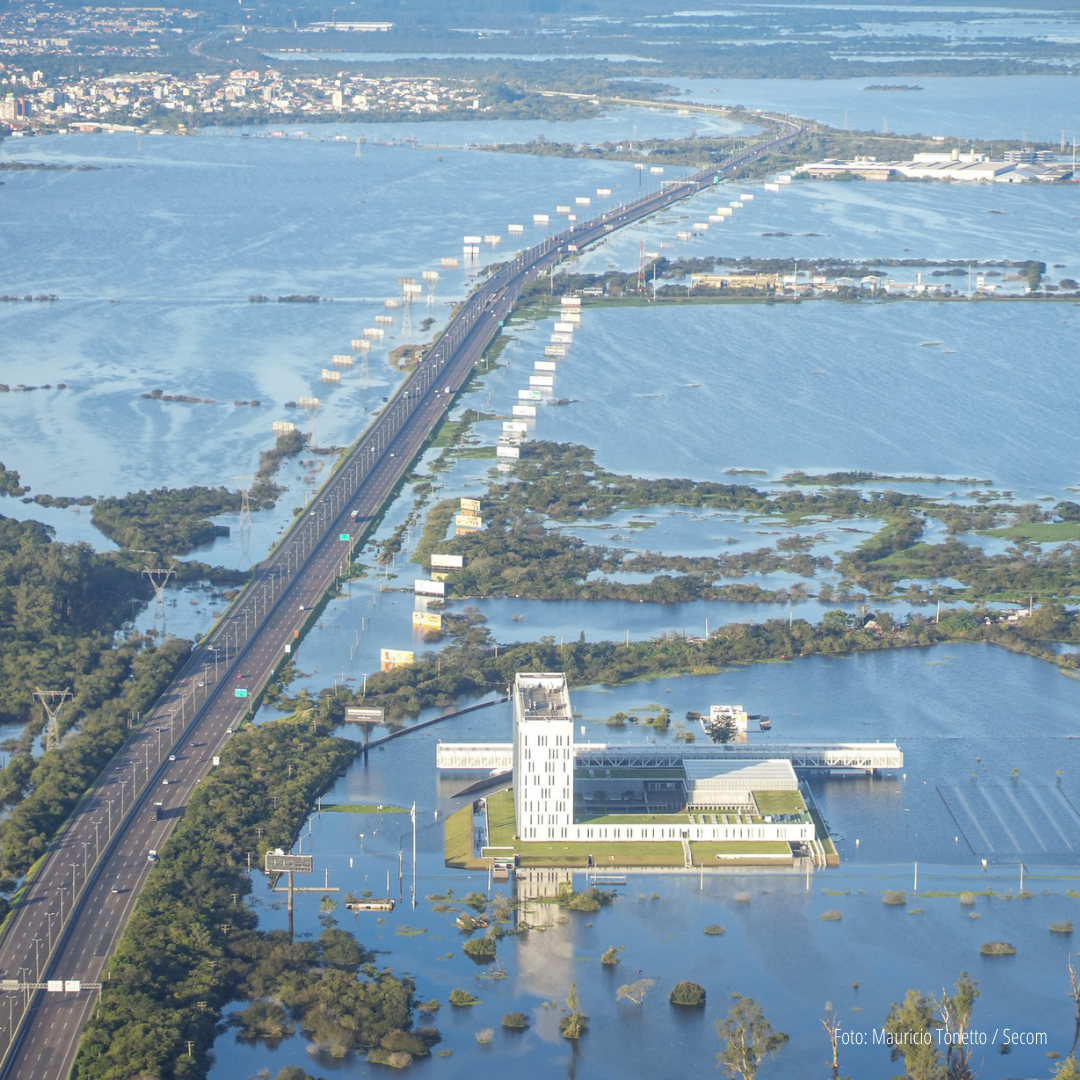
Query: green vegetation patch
[998, 948]
[720, 852]
[458, 841]
[779, 802]
[1039, 532]
[167, 520]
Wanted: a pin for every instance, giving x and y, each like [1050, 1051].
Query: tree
[574, 1025]
[749, 1038]
[955, 1018]
[634, 991]
[1068, 1069]
[911, 1036]
[831, 1023]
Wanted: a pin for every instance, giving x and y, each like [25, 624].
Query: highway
[70, 917]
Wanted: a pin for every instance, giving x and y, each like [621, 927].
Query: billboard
[523, 410]
[470, 506]
[559, 338]
[470, 521]
[447, 562]
[465, 530]
[542, 380]
[515, 425]
[429, 588]
[507, 452]
[392, 658]
[545, 365]
[365, 716]
[426, 620]
[530, 395]
[552, 350]
[279, 863]
[570, 301]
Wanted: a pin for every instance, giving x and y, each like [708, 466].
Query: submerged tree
[749, 1037]
[634, 991]
[955, 1019]
[574, 1025]
[910, 1026]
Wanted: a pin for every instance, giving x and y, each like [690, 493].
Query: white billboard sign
[447, 562]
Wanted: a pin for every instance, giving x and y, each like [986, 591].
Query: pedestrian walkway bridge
[864, 757]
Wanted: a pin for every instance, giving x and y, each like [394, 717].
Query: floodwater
[1038, 107]
[154, 288]
[956, 711]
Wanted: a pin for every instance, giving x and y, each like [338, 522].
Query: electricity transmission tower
[159, 578]
[245, 502]
[51, 707]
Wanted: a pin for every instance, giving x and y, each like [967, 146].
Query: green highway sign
[344, 536]
[239, 692]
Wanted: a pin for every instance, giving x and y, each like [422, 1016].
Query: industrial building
[561, 793]
[1017, 167]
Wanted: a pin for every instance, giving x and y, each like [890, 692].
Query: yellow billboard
[392, 658]
[470, 506]
[470, 521]
[426, 620]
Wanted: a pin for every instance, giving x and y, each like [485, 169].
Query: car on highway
[172, 757]
[151, 855]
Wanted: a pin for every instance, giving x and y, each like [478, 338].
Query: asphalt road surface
[70, 917]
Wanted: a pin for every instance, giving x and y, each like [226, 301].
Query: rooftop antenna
[641, 267]
[310, 405]
[358, 154]
[51, 707]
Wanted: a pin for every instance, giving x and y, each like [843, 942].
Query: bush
[895, 899]
[1061, 927]
[714, 930]
[611, 956]
[515, 1021]
[485, 1035]
[415, 1043]
[463, 997]
[742, 898]
[584, 902]
[396, 1059]
[481, 949]
[831, 916]
[687, 993]
[293, 1072]
[998, 948]
[967, 899]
